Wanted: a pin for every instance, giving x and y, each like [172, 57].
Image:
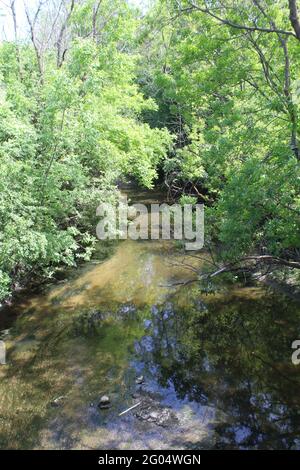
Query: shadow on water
[217, 368]
[233, 355]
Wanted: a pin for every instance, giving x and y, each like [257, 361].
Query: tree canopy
[205, 93]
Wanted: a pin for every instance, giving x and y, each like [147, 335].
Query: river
[216, 362]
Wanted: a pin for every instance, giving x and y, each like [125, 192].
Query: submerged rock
[140, 380]
[104, 402]
[152, 412]
[57, 401]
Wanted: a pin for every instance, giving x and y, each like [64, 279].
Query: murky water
[217, 367]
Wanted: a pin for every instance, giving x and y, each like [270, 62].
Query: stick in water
[131, 408]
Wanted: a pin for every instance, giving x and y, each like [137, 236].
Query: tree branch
[232, 24]
[96, 9]
[60, 54]
[294, 18]
[32, 24]
[14, 17]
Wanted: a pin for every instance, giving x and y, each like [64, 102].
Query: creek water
[216, 363]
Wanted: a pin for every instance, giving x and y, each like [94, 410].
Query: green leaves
[258, 208]
[231, 96]
[65, 141]
[212, 105]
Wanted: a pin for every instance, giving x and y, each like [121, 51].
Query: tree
[230, 75]
[69, 130]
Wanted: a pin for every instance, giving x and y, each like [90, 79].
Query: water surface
[217, 367]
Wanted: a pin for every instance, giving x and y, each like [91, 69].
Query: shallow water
[217, 367]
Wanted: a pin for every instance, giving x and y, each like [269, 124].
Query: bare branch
[54, 22]
[294, 18]
[266, 259]
[96, 9]
[61, 54]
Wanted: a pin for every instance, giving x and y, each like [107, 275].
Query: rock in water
[57, 401]
[140, 380]
[153, 412]
[104, 402]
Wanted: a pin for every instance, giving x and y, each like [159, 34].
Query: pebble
[57, 401]
[104, 402]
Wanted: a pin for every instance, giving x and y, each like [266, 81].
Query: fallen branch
[232, 267]
[131, 408]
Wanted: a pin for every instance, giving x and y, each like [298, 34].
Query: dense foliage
[207, 92]
[226, 78]
[67, 134]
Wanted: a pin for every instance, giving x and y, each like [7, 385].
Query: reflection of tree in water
[235, 355]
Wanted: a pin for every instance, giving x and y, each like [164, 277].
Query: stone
[153, 412]
[139, 380]
[104, 402]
